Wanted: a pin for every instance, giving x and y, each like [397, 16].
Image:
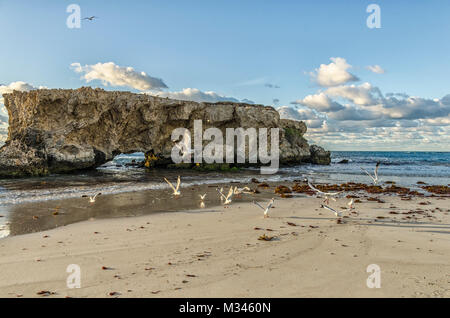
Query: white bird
[375, 176]
[338, 214]
[350, 204]
[241, 190]
[176, 190]
[228, 197]
[266, 210]
[202, 197]
[221, 191]
[90, 18]
[92, 198]
[327, 195]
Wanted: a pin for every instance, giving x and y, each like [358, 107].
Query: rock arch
[61, 130]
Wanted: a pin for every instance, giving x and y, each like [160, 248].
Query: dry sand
[215, 252]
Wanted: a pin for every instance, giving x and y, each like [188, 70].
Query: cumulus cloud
[333, 74]
[196, 95]
[112, 74]
[14, 86]
[287, 112]
[414, 108]
[320, 102]
[348, 116]
[5, 89]
[376, 69]
[312, 118]
[364, 94]
[446, 100]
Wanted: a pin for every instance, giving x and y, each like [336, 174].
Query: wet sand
[45, 215]
[215, 252]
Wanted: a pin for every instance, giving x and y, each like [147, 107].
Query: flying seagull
[91, 198]
[327, 195]
[90, 18]
[176, 191]
[202, 200]
[241, 190]
[266, 210]
[228, 197]
[338, 214]
[375, 177]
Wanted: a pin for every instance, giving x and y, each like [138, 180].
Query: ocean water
[404, 168]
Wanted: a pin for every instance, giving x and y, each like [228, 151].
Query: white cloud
[364, 94]
[376, 69]
[196, 95]
[112, 74]
[320, 102]
[14, 86]
[312, 118]
[5, 89]
[287, 112]
[367, 119]
[413, 108]
[334, 73]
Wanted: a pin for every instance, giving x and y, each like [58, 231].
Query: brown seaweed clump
[437, 189]
[281, 189]
[302, 188]
[265, 237]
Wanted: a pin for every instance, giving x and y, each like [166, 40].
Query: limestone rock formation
[319, 155]
[61, 130]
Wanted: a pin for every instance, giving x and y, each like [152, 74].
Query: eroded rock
[61, 130]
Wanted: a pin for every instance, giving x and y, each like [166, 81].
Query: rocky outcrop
[319, 156]
[54, 131]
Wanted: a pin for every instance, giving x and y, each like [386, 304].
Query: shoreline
[215, 252]
[38, 216]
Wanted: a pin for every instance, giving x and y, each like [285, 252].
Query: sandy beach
[215, 252]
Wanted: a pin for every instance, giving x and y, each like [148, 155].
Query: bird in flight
[176, 191]
[338, 214]
[241, 190]
[91, 198]
[90, 18]
[228, 197]
[202, 200]
[266, 210]
[327, 195]
[375, 176]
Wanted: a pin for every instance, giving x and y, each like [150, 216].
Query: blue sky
[235, 48]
